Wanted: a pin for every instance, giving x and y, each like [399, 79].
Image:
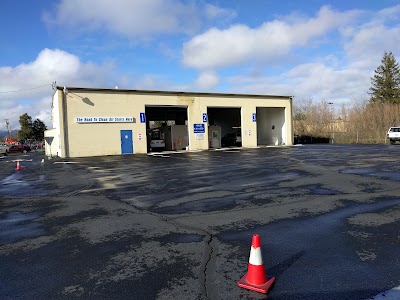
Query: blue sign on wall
[199, 128]
[142, 118]
[205, 118]
[254, 117]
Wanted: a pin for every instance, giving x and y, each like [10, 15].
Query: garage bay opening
[225, 127]
[271, 127]
[166, 128]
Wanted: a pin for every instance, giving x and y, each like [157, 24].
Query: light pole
[8, 129]
[331, 122]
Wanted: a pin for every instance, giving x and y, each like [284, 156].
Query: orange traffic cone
[18, 166]
[255, 279]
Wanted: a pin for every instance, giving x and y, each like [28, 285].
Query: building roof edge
[69, 88]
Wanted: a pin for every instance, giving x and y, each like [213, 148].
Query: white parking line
[158, 155]
[393, 294]
[15, 160]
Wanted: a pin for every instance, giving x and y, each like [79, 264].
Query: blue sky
[309, 49]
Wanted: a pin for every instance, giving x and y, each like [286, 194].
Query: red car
[19, 148]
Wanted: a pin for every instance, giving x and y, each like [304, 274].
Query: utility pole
[8, 129]
[332, 122]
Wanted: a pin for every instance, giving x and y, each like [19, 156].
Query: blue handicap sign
[142, 118]
[254, 117]
[205, 118]
[199, 128]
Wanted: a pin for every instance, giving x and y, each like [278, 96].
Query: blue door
[126, 142]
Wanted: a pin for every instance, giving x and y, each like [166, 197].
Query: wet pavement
[180, 225]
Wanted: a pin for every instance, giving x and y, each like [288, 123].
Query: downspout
[292, 120]
[65, 121]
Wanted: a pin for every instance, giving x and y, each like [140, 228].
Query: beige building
[94, 122]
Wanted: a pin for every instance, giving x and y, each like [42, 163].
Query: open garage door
[271, 127]
[225, 128]
[166, 128]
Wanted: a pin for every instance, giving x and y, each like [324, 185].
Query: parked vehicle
[155, 140]
[393, 134]
[19, 148]
[4, 149]
[232, 139]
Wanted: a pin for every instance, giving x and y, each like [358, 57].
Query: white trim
[255, 258]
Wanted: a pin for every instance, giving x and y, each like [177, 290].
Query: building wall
[55, 132]
[97, 138]
[52, 142]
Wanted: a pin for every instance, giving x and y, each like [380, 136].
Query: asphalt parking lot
[179, 226]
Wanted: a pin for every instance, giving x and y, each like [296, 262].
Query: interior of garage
[271, 126]
[225, 125]
[166, 128]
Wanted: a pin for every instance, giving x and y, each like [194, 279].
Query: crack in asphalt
[210, 242]
[207, 264]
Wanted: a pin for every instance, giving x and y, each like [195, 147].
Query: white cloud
[239, 44]
[38, 109]
[26, 88]
[213, 12]
[310, 80]
[151, 82]
[370, 43]
[207, 80]
[390, 13]
[131, 18]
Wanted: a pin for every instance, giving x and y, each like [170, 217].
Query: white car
[4, 149]
[393, 134]
[156, 140]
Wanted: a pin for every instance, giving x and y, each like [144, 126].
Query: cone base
[262, 288]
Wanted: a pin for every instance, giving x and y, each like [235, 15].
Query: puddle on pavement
[370, 187]
[225, 203]
[374, 172]
[358, 171]
[271, 179]
[181, 238]
[15, 185]
[302, 229]
[15, 226]
[316, 189]
[202, 206]
[279, 191]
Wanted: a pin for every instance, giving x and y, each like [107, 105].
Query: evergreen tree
[38, 129]
[26, 127]
[386, 81]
